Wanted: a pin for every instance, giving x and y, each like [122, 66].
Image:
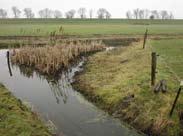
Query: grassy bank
[119, 82]
[17, 119]
[88, 27]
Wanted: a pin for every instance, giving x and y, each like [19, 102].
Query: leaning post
[8, 62]
[176, 98]
[145, 38]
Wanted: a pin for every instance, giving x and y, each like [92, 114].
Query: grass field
[171, 51]
[110, 78]
[87, 27]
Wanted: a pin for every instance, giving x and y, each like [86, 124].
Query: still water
[57, 101]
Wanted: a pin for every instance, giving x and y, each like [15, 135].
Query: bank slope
[16, 119]
[118, 81]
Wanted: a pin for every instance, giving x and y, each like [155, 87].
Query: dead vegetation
[52, 59]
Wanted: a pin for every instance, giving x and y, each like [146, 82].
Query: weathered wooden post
[153, 68]
[8, 62]
[176, 98]
[145, 38]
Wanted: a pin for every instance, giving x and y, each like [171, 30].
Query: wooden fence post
[8, 62]
[153, 68]
[176, 98]
[145, 39]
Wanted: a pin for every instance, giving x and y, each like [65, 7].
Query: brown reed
[52, 59]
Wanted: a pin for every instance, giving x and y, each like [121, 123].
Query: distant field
[171, 51]
[88, 27]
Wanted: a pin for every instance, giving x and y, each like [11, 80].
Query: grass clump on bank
[17, 119]
[119, 82]
[52, 59]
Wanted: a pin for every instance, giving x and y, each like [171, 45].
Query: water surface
[57, 101]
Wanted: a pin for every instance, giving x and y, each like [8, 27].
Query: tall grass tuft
[52, 59]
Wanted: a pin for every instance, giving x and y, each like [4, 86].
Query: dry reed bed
[52, 59]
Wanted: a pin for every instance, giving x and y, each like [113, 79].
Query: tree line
[102, 13]
[149, 14]
[48, 13]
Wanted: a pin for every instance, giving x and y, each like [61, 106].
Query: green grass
[87, 27]
[17, 119]
[171, 51]
[109, 77]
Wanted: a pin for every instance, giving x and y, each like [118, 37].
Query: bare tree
[57, 14]
[136, 13]
[107, 15]
[101, 13]
[147, 12]
[70, 14]
[155, 14]
[164, 14]
[28, 13]
[41, 14]
[91, 13]
[3, 13]
[142, 14]
[171, 16]
[16, 12]
[82, 12]
[45, 13]
[129, 14]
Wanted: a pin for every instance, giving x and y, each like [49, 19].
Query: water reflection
[59, 90]
[59, 85]
[25, 71]
[76, 118]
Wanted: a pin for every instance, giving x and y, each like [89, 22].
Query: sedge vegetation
[119, 82]
[52, 59]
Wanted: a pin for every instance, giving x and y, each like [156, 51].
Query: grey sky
[116, 7]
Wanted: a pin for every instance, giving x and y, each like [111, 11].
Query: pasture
[118, 80]
[88, 27]
[171, 52]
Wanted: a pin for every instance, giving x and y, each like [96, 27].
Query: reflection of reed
[59, 85]
[59, 89]
[26, 71]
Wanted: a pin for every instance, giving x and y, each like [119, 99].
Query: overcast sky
[117, 8]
